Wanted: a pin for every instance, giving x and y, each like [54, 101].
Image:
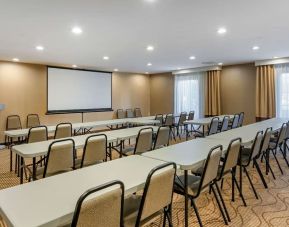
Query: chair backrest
[287, 131]
[210, 168]
[160, 118]
[137, 112]
[129, 113]
[105, 209]
[94, 150]
[282, 134]
[235, 121]
[241, 119]
[214, 125]
[37, 134]
[266, 139]
[13, 122]
[182, 118]
[225, 123]
[120, 114]
[63, 130]
[163, 137]
[60, 157]
[144, 140]
[158, 191]
[169, 121]
[32, 120]
[231, 156]
[191, 115]
[256, 147]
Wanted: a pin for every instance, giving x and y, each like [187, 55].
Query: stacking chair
[129, 113]
[225, 124]
[249, 154]
[278, 143]
[162, 138]
[143, 142]
[156, 199]
[213, 128]
[37, 134]
[120, 114]
[169, 122]
[191, 115]
[235, 122]
[196, 184]
[105, 209]
[241, 119]
[137, 112]
[264, 152]
[94, 151]
[180, 124]
[160, 118]
[63, 130]
[32, 120]
[59, 159]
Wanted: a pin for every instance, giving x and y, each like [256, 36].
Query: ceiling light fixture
[255, 48]
[105, 58]
[76, 30]
[40, 48]
[275, 57]
[192, 58]
[222, 30]
[116, 70]
[220, 63]
[147, 72]
[15, 59]
[149, 64]
[150, 48]
[74, 66]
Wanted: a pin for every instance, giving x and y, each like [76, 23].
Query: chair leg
[197, 212]
[260, 173]
[233, 172]
[222, 183]
[240, 192]
[271, 171]
[164, 218]
[277, 163]
[284, 156]
[251, 183]
[11, 160]
[222, 201]
[219, 205]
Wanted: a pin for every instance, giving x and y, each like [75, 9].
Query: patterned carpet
[271, 209]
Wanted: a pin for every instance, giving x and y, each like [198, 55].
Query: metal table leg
[21, 169]
[34, 169]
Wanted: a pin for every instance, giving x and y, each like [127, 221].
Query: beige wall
[23, 91]
[238, 84]
[162, 93]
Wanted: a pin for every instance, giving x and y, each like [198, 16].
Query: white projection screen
[75, 90]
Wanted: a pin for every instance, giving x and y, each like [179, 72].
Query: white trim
[199, 69]
[272, 61]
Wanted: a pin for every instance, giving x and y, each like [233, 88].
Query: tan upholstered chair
[235, 122]
[159, 117]
[196, 184]
[156, 199]
[169, 121]
[143, 142]
[63, 130]
[163, 137]
[225, 124]
[120, 114]
[137, 112]
[129, 113]
[94, 151]
[32, 120]
[37, 134]
[102, 210]
[59, 159]
[179, 126]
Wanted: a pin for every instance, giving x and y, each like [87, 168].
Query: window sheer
[190, 93]
[282, 90]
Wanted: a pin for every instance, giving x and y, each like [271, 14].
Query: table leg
[21, 169]
[203, 130]
[267, 161]
[187, 132]
[110, 151]
[186, 200]
[121, 147]
[34, 169]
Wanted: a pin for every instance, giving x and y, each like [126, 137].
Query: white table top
[32, 150]
[187, 154]
[93, 124]
[205, 121]
[51, 201]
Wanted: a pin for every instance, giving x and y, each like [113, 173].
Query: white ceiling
[122, 29]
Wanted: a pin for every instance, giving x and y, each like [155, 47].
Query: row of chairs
[128, 113]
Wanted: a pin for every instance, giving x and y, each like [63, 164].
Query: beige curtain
[213, 99]
[265, 92]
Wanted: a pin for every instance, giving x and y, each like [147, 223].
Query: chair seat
[193, 184]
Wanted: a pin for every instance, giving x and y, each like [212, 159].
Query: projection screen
[75, 90]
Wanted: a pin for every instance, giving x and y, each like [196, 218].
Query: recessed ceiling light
[255, 48]
[275, 57]
[220, 63]
[192, 58]
[147, 72]
[116, 70]
[15, 59]
[222, 30]
[39, 48]
[76, 30]
[150, 48]
[105, 58]
[149, 64]
[178, 68]
[74, 66]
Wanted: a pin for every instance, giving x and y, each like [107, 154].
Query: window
[282, 90]
[189, 93]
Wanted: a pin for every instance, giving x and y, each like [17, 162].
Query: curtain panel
[265, 92]
[213, 96]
